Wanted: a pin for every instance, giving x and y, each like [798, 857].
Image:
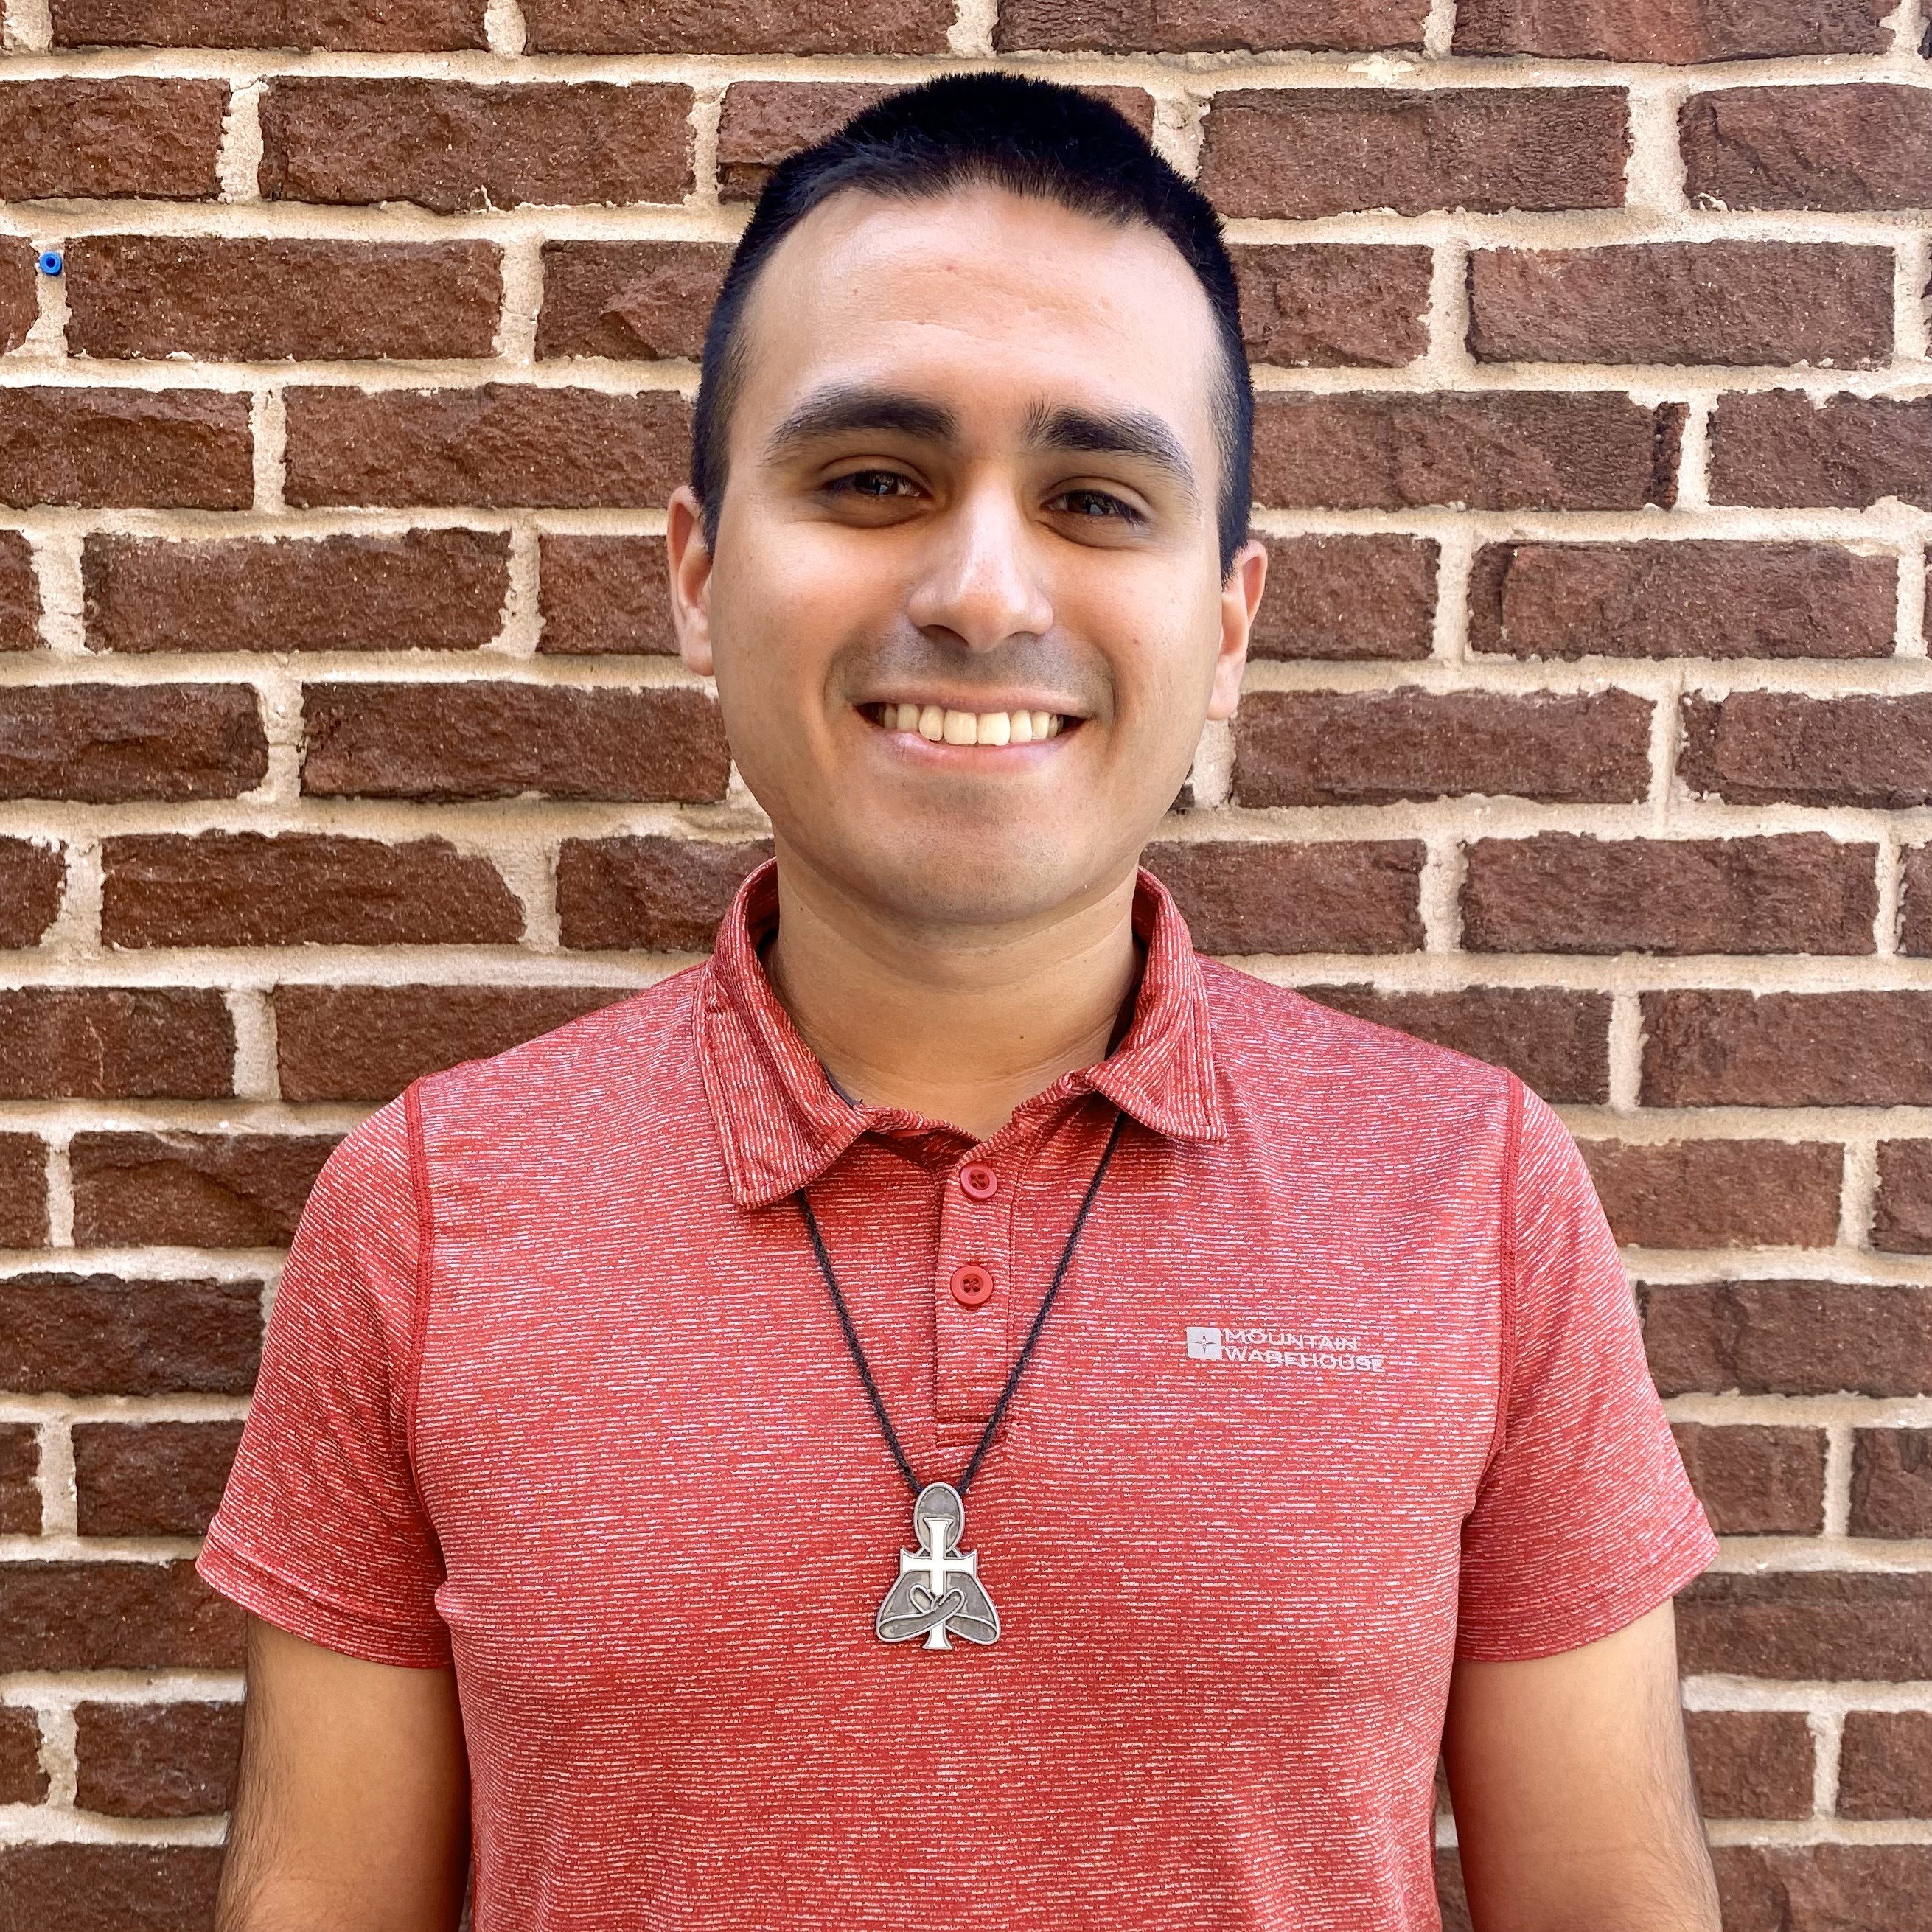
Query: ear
[690, 558]
[1241, 598]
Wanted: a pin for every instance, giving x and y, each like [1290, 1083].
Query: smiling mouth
[940, 725]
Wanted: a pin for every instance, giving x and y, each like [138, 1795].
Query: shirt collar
[782, 1123]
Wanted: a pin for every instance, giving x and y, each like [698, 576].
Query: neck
[958, 1025]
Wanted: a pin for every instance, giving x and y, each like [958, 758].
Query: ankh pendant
[939, 1589]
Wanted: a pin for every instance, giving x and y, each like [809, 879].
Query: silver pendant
[939, 1589]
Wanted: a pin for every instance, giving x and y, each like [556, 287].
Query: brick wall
[1590, 727]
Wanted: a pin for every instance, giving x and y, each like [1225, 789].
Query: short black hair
[1035, 138]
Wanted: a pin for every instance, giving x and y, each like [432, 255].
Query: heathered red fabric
[554, 1391]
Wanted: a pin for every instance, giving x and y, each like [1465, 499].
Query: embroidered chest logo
[1281, 1349]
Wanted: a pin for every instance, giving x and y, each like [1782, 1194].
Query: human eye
[875, 486]
[1090, 505]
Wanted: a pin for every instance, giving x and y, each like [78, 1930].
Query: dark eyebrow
[1128, 433]
[842, 408]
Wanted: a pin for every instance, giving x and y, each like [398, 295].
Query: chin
[992, 877]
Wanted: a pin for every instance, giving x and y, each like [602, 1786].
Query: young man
[957, 1410]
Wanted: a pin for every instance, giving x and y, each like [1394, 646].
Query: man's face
[966, 612]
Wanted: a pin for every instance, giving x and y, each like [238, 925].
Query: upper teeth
[972, 727]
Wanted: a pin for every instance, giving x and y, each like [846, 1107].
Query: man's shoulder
[617, 1057]
[1267, 1034]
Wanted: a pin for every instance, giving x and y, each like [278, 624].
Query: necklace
[939, 1589]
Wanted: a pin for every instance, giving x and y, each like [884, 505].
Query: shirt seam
[1508, 1261]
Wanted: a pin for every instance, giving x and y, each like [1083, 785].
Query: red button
[979, 1180]
[972, 1285]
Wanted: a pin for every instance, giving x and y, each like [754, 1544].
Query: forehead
[988, 300]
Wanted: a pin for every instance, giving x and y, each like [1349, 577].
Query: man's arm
[1575, 1809]
[352, 1811]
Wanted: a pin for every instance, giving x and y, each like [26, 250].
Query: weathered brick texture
[1588, 730]
[448, 145]
[428, 590]
[1751, 1764]
[139, 295]
[156, 1760]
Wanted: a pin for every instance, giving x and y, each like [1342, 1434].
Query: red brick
[244, 301]
[192, 1190]
[1751, 1764]
[1766, 747]
[1884, 1766]
[143, 449]
[497, 447]
[1790, 1337]
[1299, 153]
[1506, 450]
[761, 122]
[426, 590]
[1867, 146]
[1825, 1888]
[1691, 598]
[1718, 1193]
[301, 889]
[1677, 30]
[449, 146]
[108, 744]
[100, 1335]
[22, 1779]
[1754, 1480]
[112, 1042]
[157, 1760]
[1129, 26]
[649, 893]
[1902, 1224]
[1916, 922]
[1732, 302]
[601, 595]
[500, 740]
[1891, 1483]
[151, 1478]
[376, 26]
[1557, 1042]
[632, 300]
[77, 139]
[1256, 896]
[369, 1043]
[1347, 597]
[765, 121]
[1709, 1048]
[1807, 1624]
[1377, 747]
[868, 27]
[1564, 892]
[113, 1616]
[1334, 303]
[23, 1194]
[33, 881]
[20, 595]
[107, 1888]
[20, 1516]
[20, 298]
[1777, 448]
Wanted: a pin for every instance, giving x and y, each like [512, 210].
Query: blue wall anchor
[51, 262]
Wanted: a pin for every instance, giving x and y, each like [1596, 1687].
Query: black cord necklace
[939, 1589]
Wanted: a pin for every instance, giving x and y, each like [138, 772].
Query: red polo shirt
[1345, 1383]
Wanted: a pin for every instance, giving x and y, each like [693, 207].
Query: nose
[981, 585]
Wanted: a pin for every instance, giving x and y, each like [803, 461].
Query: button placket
[971, 1288]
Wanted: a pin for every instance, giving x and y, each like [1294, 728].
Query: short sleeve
[1585, 1518]
[321, 1531]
